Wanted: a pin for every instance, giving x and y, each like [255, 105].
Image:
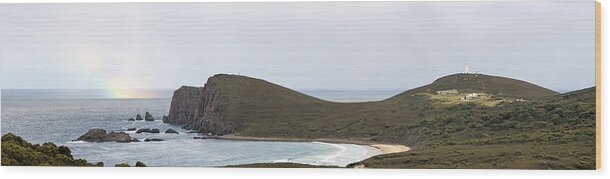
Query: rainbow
[113, 79]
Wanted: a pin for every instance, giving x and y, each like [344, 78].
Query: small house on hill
[448, 92]
[471, 96]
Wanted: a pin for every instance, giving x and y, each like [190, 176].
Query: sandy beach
[391, 148]
[384, 148]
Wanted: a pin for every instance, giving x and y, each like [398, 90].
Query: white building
[471, 96]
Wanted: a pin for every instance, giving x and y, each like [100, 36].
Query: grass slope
[548, 130]
[262, 109]
[494, 85]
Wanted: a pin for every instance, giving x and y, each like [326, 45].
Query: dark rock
[148, 117]
[131, 119]
[132, 129]
[147, 130]
[171, 131]
[206, 137]
[100, 135]
[165, 119]
[138, 117]
[153, 140]
[135, 140]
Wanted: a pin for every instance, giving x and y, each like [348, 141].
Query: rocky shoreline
[101, 135]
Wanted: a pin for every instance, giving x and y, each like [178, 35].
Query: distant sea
[60, 116]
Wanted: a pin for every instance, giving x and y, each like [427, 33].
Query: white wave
[76, 142]
[332, 157]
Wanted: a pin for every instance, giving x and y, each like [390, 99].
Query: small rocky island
[171, 131]
[100, 135]
[148, 117]
[138, 117]
[148, 130]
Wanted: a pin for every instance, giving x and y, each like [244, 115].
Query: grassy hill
[495, 85]
[244, 106]
[254, 107]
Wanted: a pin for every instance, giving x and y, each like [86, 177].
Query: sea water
[60, 116]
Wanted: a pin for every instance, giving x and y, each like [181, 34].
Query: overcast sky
[331, 45]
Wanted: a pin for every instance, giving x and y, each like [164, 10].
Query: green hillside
[254, 107]
[494, 85]
[509, 114]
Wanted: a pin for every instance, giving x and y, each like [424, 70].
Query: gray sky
[329, 45]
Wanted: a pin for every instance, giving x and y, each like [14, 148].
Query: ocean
[60, 116]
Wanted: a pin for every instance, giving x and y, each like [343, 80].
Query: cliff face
[209, 113]
[197, 108]
[184, 102]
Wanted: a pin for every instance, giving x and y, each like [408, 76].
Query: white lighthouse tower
[466, 69]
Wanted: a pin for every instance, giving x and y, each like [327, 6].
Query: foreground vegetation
[18, 152]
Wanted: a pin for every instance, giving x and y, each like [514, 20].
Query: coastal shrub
[18, 152]
[584, 165]
[140, 164]
[122, 165]
[547, 157]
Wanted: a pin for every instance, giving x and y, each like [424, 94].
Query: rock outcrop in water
[100, 135]
[148, 130]
[171, 131]
[143, 130]
[138, 117]
[148, 117]
[153, 140]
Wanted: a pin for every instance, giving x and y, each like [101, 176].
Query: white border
[226, 173]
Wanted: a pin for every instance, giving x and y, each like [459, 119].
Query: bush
[140, 164]
[122, 165]
[18, 152]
